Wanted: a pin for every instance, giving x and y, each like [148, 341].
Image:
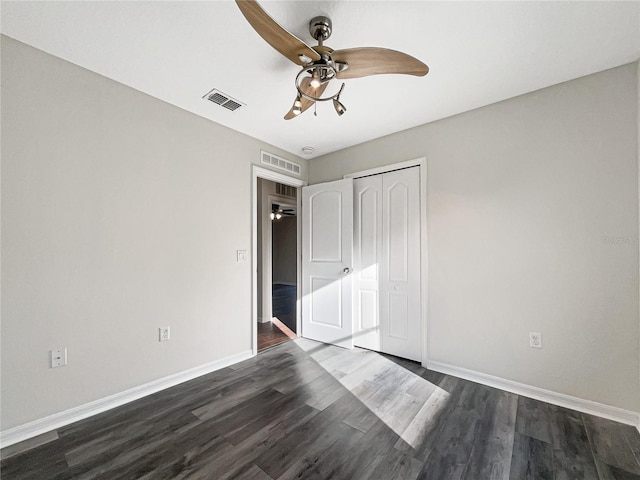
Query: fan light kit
[321, 64]
[277, 212]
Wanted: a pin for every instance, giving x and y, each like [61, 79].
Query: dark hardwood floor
[303, 410]
[273, 333]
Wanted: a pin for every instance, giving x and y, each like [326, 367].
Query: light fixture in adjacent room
[277, 212]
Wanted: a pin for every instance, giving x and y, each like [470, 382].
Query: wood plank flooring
[272, 333]
[304, 410]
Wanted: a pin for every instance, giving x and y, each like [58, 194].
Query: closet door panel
[400, 273]
[367, 256]
[398, 316]
[387, 263]
[397, 215]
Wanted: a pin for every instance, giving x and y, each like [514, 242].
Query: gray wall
[524, 199]
[114, 223]
[111, 227]
[285, 245]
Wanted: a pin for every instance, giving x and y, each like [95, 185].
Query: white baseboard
[57, 420]
[586, 406]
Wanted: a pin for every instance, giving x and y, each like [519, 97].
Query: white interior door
[387, 263]
[327, 243]
[400, 272]
[367, 255]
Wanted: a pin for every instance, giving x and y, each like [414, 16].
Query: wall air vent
[224, 100]
[280, 163]
[286, 190]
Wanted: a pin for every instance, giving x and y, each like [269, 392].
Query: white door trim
[424, 277]
[260, 172]
[417, 162]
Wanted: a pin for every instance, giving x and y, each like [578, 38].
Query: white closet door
[400, 272]
[327, 243]
[387, 314]
[367, 253]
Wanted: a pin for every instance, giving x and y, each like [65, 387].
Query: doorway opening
[277, 263]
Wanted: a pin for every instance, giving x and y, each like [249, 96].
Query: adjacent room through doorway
[277, 263]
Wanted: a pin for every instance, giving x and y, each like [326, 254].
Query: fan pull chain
[315, 108]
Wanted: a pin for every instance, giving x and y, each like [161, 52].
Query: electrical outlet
[535, 340]
[58, 357]
[165, 334]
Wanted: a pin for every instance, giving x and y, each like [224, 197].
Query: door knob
[346, 270]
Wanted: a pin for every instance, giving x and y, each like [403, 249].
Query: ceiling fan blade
[287, 44]
[376, 61]
[305, 86]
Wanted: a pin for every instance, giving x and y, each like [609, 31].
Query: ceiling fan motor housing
[320, 28]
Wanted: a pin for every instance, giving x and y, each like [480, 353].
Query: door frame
[266, 174]
[424, 278]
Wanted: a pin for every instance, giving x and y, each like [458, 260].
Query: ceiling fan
[277, 212]
[321, 64]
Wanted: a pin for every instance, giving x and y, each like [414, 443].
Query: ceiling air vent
[224, 100]
[280, 163]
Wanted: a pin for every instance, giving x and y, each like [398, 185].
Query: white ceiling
[478, 53]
